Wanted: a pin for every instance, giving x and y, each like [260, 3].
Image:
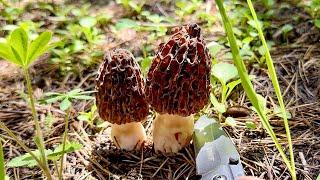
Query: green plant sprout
[248, 87]
[224, 72]
[19, 50]
[26, 160]
[10, 13]
[65, 147]
[314, 9]
[89, 116]
[92, 34]
[81, 36]
[131, 5]
[146, 59]
[186, 7]
[66, 98]
[65, 105]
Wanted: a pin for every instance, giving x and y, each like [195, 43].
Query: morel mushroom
[178, 86]
[121, 99]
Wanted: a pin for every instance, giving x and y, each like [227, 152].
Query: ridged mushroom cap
[178, 80]
[120, 87]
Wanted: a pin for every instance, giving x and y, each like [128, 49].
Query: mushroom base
[128, 136]
[172, 132]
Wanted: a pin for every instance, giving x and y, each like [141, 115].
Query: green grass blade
[275, 83]
[2, 168]
[246, 83]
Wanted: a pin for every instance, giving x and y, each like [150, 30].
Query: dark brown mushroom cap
[120, 87]
[178, 80]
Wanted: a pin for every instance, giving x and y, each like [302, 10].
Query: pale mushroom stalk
[121, 99]
[172, 132]
[128, 136]
[177, 87]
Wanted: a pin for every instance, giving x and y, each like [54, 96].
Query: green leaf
[102, 124]
[77, 45]
[74, 92]
[286, 28]
[38, 45]
[126, 24]
[247, 40]
[69, 147]
[251, 125]
[277, 112]
[317, 23]
[254, 25]
[54, 44]
[263, 103]
[93, 109]
[17, 56]
[54, 99]
[88, 34]
[145, 64]
[214, 48]
[65, 104]
[83, 117]
[26, 159]
[224, 72]
[221, 108]
[51, 46]
[231, 121]
[231, 86]
[318, 178]
[88, 22]
[19, 42]
[7, 54]
[82, 97]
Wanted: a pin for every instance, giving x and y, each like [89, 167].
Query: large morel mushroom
[178, 86]
[121, 99]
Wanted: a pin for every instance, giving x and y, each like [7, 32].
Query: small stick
[303, 161]
[160, 167]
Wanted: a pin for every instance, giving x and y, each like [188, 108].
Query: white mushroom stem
[172, 132]
[128, 136]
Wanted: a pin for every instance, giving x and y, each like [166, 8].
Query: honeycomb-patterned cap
[120, 87]
[178, 80]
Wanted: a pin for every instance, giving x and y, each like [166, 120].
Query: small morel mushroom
[121, 99]
[178, 86]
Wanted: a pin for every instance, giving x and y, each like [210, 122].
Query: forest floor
[297, 59]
